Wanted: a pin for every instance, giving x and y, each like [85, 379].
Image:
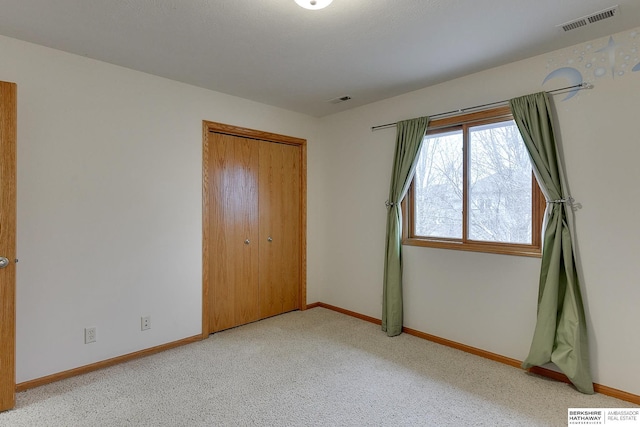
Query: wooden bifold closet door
[233, 264]
[279, 242]
[254, 260]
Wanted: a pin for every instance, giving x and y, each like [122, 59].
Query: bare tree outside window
[438, 182]
[499, 184]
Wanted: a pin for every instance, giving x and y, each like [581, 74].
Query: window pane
[438, 186]
[499, 184]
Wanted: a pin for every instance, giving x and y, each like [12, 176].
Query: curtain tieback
[568, 200]
[389, 204]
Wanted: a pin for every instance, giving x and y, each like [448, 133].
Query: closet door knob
[246, 242]
[269, 239]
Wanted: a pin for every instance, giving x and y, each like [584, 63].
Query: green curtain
[408, 142]
[560, 334]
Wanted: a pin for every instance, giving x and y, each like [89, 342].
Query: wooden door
[279, 228]
[253, 189]
[233, 261]
[8, 113]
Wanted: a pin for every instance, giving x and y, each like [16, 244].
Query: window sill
[492, 248]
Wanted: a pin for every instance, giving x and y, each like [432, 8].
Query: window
[474, 188]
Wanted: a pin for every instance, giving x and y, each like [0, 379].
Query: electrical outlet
[145, 323]
[89, 335]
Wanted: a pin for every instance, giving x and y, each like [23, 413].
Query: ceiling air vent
[609, 13]
[339, 99]
[591, 19]
[574, 24]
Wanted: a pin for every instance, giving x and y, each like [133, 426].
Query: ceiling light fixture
[314, 4]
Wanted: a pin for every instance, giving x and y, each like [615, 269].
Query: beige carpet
[312, 368]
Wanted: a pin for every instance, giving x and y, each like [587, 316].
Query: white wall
[484, 300]
[110, 204]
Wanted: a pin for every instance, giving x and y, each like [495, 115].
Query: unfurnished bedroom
[319, 213]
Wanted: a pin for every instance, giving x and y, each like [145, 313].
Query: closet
[254, 228]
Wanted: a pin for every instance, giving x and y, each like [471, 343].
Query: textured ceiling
[275, 52]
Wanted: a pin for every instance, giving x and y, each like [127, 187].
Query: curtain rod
[491, 104]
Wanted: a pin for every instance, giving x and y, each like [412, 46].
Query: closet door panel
[279, 228]
[234, 229]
